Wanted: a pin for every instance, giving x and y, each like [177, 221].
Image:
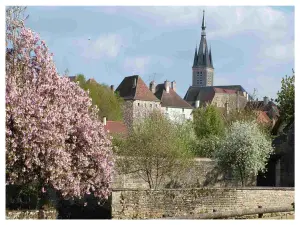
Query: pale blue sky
[251, 46]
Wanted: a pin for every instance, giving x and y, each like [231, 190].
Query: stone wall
[134, 204]
[202, 173]
[30, 214]
[221, 98]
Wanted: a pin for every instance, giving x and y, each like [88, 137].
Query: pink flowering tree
[53, 135]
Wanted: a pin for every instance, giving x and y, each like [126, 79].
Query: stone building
[138, 99]
[266, 106]
[202, 90]
[172, 105]
[228, 97]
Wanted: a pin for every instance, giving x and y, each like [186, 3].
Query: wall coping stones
[212, 188]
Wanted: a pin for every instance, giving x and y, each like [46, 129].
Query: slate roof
[171, 99]
[129, 90]
[206, 94]
[72, 78]
[116, 127]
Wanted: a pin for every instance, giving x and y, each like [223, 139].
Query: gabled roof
[171, 99]
[116, 127]
[134, 88]
[207, 93]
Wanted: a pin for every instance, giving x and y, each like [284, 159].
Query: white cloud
[105, 46]
[136, 65]
[221, 21]
[280, 52]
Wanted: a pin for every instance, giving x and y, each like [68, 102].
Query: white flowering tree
[244, 150]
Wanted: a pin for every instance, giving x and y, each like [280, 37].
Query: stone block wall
[30, 214]
[147, 204]
[202, 173]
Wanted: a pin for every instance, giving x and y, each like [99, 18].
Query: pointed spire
[206, 56]
[210, 57]
[203, 21]
[195, 57]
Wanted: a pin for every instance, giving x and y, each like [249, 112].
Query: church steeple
[195, 57]
[203, 70]
[203, 23]
[210, 57]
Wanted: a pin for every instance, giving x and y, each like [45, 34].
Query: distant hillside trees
[108, 102]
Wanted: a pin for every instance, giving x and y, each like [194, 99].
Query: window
[145, 105]
[138, 104]
[166, 108]
[150, 105]
[182, 110]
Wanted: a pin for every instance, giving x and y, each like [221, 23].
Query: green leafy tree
[209, 127]
[208, 121]
[286, 98]
[108, 102]
[155, 149]
[244, 150]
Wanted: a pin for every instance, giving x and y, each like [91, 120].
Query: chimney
[167, 86]
[112, 88]
[152, 86]
[197, 103]
[104, 120]
[173, 85]
[226, 108]
[266, 100]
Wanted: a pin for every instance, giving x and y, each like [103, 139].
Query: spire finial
[203, 21]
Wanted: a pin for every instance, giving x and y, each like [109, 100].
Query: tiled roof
[262, 117]
[271, 108]
[116, 127]
[134, 88]
[206, 94]
[222, 90]
[171, 99]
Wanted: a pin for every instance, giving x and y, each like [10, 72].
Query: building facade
[172, 105]
[139, 101]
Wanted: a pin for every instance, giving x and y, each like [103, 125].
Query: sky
[251, 46]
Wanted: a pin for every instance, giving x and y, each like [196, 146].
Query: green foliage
[206, 146]
[108, 102]
[244, 150]
[208, 121]
[286, 98]
[155, 148]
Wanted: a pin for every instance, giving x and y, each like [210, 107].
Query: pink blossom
[52, 131]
